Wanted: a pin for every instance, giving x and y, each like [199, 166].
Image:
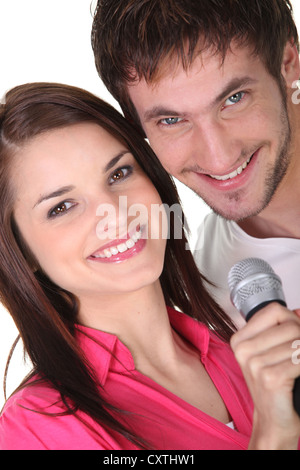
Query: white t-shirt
[223, 243]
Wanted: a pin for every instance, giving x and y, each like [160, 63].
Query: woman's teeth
[121, 248]
[233, 174]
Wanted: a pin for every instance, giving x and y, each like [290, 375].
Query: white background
[42, 40]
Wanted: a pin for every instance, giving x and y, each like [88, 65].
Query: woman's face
[83, 206]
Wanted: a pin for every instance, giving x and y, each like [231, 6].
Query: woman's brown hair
[45, 314]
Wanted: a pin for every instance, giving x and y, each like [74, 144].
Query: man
[213, 85]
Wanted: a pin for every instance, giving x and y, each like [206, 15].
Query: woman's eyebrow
[66, 189]
[57, 193]
[115, 160]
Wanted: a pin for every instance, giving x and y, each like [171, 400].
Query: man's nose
[215, 151]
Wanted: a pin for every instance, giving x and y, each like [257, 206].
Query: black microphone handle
[296, 395]
[296, 389]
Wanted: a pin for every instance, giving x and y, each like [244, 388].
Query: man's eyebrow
[235, 84]
[157, 112]
[59, 192]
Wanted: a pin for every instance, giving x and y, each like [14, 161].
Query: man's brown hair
[132, 39]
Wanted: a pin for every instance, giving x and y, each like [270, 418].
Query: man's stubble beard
[275, 174]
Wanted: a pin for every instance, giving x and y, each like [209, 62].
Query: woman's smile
[120, 250]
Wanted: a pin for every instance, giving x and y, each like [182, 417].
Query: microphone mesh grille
[248, 267]
[261, 277]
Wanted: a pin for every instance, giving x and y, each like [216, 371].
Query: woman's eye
[234, 99]
[120, 174]
[170, 121]
[60, 209]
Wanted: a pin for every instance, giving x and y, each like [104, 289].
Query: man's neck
[281, 219]
[258, 227]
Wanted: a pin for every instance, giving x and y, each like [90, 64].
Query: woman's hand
[264, 351]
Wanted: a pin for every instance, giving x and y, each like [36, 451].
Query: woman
[93, 291]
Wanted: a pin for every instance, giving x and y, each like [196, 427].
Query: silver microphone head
[253, 283]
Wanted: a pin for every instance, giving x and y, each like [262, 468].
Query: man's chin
[239, 213]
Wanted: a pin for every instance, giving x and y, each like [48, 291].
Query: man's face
[220, 128]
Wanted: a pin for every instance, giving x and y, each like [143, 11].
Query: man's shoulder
[212, 229]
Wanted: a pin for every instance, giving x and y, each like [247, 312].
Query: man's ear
[290, 68]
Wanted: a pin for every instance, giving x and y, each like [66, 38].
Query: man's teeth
[121, 248]
[233, 174]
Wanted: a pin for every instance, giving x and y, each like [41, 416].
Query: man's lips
[234, 173]
[235, 179]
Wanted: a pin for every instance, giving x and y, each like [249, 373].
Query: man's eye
[234, 99]
[170, 121]
[120, 174]
[60, 209]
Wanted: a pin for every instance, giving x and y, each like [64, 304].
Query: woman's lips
[119, 250]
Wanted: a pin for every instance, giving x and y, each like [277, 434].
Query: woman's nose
[112, 218]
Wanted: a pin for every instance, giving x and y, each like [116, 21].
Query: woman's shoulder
[37, 418]
[36, 395]
[26, 416]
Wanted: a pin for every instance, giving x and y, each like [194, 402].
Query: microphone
[253, 284]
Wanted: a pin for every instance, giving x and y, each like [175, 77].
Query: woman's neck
[139, 319]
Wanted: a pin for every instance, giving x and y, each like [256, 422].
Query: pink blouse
[166, 421]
